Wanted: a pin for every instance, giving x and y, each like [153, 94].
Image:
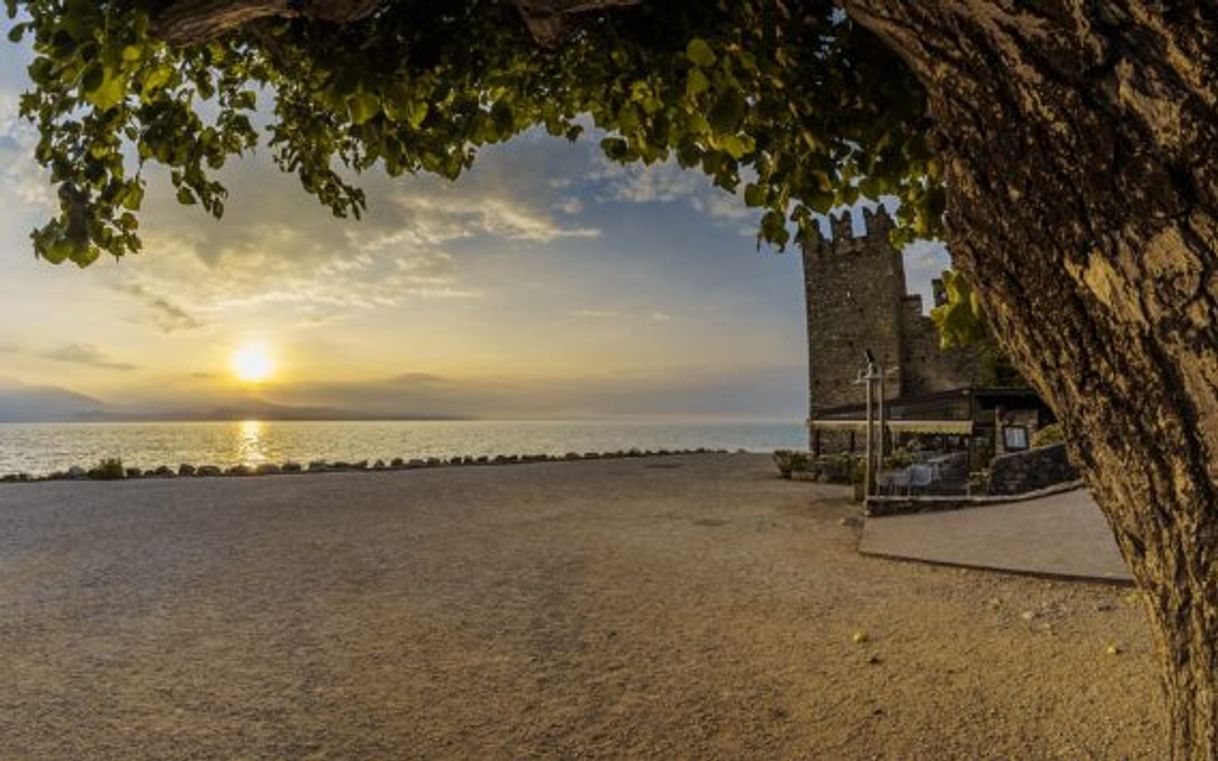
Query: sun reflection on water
[251, 442]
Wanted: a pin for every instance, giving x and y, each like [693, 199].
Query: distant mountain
[20, 403]
[23, 403]
[253, 409]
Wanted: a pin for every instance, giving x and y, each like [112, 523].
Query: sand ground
[685, 607]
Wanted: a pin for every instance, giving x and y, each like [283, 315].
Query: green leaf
[363, 106]
[133, 197]
[84, 255]
[754, 195]
[418, 113]
[736, 146]
[728, 112]
[696, 84]
[614, 147]
[104, 86]
[700, 53]
[774, 229]
[960, 318]
[58, 252]
[627, 118]
[820, 201]
[155, 80]
[503, 118]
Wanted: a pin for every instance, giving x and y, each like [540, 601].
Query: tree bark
[1081, 148]
[184, 22]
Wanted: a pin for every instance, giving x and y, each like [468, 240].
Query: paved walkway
[1063, 535]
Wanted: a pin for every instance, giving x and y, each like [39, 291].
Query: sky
[545, 283]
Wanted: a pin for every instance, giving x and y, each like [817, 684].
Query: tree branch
[186, 22]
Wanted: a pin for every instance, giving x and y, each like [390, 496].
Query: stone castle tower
[857, 300]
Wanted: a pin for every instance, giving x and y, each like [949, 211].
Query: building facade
[856, 302]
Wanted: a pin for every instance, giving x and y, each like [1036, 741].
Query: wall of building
[855, 289]
[857, 300]
[928, 368]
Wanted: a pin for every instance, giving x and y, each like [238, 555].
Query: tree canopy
[789, 102]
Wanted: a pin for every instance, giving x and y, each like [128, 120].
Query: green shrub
[899, 458]
[110, 469]
[789, 460]
[1050, 434]
[841, 468]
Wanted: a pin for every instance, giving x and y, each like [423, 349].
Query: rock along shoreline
[186, 470]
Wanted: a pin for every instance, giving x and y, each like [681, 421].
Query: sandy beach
[680, 607]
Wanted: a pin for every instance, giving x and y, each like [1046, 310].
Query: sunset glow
[253, 364]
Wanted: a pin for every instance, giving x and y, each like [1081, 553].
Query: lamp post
[872, 376]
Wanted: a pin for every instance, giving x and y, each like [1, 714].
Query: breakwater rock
[187, 470]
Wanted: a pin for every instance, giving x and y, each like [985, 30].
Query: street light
[873, 373]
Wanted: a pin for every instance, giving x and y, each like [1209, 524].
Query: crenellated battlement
[877, 225]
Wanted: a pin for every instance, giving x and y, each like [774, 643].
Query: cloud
[438, 217]
[166, 315]
[613, 314]
[416, 243]
[758, 391]
[668, 182]
[637, 183]
[21, 177]
[418, 378]
[721, 205]
[570, 205]
[925, 261]
[86, 354]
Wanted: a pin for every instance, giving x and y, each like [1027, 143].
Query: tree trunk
[1081, 147]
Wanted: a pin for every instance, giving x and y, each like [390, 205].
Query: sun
[253, 363]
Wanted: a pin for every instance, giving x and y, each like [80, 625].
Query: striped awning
[951, 427]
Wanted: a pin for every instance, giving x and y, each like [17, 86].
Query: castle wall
[854, 292]
[857, 300]
[927, 367]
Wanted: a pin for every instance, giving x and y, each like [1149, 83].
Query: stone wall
[855, 288]
[1034, 469]
[929, 368]
[857, 300]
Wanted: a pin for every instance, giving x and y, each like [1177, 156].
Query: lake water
[41, 448]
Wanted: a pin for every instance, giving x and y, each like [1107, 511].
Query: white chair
[921, 476]
[894, 481]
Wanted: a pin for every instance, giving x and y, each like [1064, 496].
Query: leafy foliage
[790, 100]
[961, 319]
[110, 469]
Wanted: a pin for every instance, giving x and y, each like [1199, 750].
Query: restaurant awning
[951, 427]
